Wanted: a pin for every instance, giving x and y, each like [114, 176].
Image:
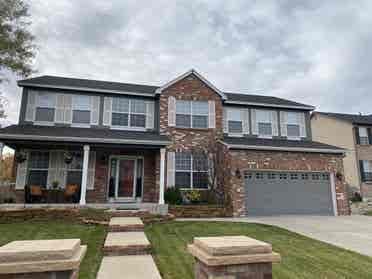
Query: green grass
[302, 257]
[91, 235]
[368, 213]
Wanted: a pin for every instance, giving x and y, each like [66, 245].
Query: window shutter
[369, 131]
[362, 173]
[225, 121]
[302, 125]
[245, 117]
[91, 170]
[254, 122]
[21, 174]
[357, 137]
[60, 108]
[171, 111]
[274, 122]
[53, 168]
[31, 105]
[283, 123]
[212, 114]
[171, 165]
[150, 114]
[94, 110]
[68, 108]
[107, 108]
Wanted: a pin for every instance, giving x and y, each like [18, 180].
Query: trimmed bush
[173, 196]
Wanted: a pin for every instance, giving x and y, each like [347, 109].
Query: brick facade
[248, 160]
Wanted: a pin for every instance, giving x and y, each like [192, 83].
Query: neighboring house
[353, 133]
[130, 142]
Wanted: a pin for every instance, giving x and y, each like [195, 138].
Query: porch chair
[36, 194]
[71, 193]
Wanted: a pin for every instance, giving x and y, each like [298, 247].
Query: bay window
[45, 107]
[363, 135]
[191, 170]
[235, 121]
[81, 109]
[191, 114]
[38, 165]
[128, 113]
[264, 123]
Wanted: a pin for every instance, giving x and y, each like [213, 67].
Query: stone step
[126, 243]
[129, 212]
[126, 224]
[131, 267]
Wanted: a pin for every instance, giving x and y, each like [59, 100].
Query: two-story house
[353, 133]
[125, 142]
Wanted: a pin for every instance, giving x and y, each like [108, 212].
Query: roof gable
[188, 73]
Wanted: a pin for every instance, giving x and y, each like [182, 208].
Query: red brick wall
[290, 161]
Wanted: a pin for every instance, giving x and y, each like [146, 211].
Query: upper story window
[363, 135]
[45, 107]
[191, 114]
[264, 123]
[128, 113]
[293, 125]
[191, 170]
[81, 109]
[235, 121]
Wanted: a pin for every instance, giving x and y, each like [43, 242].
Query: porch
[90, 170]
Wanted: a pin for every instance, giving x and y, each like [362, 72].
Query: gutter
[81, 139]
[289, 149]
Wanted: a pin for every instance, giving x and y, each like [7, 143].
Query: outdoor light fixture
[238, 174]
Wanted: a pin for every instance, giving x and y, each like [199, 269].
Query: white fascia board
[82, 139]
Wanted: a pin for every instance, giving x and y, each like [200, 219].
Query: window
[294, 176]
[38, 164]
[259, 175]
[305, 176]
[74, 169]
[45, 107]
[264, 123]
[315, 176]
[235, 121]
[271, 175]
[283, 176]
[191, 114]
[191, 170]
[293, 124]
[128, 113]
[367, 170]
[363, 135]
[81, 109]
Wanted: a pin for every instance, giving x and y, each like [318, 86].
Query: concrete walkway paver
[125, 221]
[349, 232]
[126, 239]
[128, 267]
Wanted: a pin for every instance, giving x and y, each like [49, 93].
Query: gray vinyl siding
[22, 111]
[307, 120]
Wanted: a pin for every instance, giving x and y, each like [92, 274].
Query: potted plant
[55, 190]
[20, 157]
[67, 156]
[193, 196]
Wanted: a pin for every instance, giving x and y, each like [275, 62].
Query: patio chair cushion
[36, 190]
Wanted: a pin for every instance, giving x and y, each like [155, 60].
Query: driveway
[349, 232]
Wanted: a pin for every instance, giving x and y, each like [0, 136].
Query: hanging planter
[67, 156]
[20, 157]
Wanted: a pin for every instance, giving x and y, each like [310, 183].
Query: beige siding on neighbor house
[339, 133]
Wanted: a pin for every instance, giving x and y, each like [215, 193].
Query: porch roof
[16, 133]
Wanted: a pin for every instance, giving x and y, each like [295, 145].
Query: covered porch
[125, 169]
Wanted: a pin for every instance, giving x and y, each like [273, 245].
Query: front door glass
[125, 184]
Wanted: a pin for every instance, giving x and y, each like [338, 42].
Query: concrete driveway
[349, 232]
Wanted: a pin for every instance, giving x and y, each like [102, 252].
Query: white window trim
[241, 120]
[128, 127]
[81, 125]
[191, 115]
[191, 171]
[258, 126]
[45, 123]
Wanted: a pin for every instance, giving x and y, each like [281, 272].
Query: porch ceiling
[21, 135]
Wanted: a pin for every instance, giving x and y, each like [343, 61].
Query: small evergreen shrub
[173, 196]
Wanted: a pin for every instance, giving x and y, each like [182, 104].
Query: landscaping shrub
[356, 197]
[193, 196]
[173, 196]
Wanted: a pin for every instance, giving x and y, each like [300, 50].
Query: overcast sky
[315, 52]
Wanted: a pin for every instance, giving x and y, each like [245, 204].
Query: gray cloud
[315, 52]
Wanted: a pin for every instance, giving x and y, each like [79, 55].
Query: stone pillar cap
[41, 255]
[228, 250]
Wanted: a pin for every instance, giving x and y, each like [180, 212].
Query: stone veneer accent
[248, 160]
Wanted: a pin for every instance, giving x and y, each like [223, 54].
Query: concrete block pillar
[41, 259]
[232, 257]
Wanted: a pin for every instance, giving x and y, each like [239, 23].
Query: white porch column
[84, 178]
[162, 172]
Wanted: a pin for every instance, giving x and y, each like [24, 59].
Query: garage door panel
[288, 193]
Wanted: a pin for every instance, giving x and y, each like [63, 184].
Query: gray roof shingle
[281, 143]
[82, 135]
[353, 118]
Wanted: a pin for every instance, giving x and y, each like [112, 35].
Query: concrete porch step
[126, 224]
[131, 267]
[126, 243]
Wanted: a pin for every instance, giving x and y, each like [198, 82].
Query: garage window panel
[315, 176]
[294, 176]
[191, 171]
[305, 176]
[283, 176]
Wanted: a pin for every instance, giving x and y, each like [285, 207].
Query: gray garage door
[273, 193]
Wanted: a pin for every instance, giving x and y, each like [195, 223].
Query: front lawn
[92, 235]
[302, 257]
